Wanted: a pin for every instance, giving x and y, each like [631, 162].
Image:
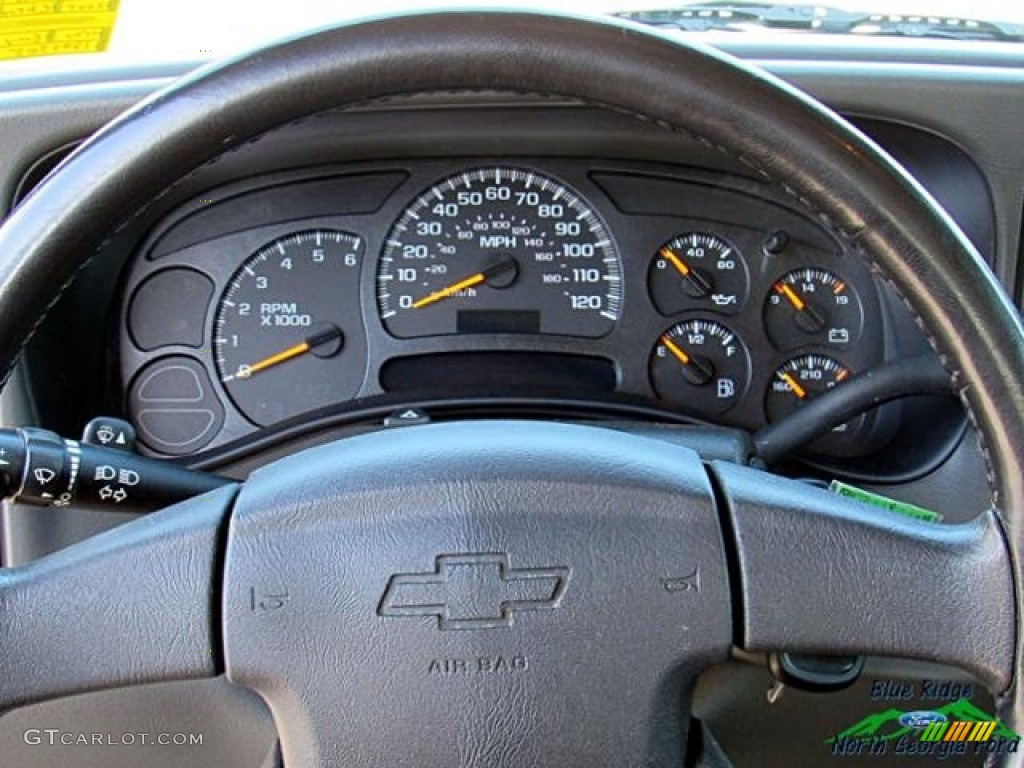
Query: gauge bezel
[319, 379]
[645, 205]
[776, 308]
[739, 367]
[665, 297]
[833, 442]
[436, 244]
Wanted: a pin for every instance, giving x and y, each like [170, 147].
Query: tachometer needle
[799, 391]
[308, 345]
[245, 371]
[505, 268]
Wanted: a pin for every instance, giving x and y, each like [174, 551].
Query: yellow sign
[55, 27]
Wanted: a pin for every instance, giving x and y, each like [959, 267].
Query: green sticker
[899, 507]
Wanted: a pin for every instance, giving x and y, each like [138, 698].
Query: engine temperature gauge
[813, 306]
[700, 365]
[698, 271]
[802, 379]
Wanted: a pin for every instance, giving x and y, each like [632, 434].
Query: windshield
[152, 31]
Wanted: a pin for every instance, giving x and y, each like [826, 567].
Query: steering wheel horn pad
[527, 594]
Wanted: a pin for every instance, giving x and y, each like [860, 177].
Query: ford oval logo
[921, 718]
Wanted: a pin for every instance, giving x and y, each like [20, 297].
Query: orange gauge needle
[700, 286]
[676, 262]
[454, 288]
[507, 270]
[677, 353]
[311, 343]
[789, 293]
[799, 391]
[807, 317]
[245, 371]
[696, 370]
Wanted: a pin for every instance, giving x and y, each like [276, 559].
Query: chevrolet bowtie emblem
[473, 591]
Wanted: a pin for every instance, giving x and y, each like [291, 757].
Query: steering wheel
[496, 593]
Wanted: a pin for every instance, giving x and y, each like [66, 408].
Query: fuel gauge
[698, 270]
[813, 306]
[700, 365]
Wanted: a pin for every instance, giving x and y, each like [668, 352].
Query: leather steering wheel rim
[843, 179]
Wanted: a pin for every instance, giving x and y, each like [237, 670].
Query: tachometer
[288, 335]
[499, 250]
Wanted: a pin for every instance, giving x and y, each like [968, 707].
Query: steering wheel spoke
[131, 606]
[821, 574]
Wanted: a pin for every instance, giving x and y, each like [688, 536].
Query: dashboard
[702, 294]
[146, 331]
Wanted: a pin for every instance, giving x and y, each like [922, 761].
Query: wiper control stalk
[44, 469]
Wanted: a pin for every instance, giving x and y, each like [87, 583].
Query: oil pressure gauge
[698, 270]
[700, 365]
[813, 306]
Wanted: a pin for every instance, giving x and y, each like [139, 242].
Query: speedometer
[499, 250]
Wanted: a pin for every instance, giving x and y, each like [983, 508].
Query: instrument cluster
[702, 294]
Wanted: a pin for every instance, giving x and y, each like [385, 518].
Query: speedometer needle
[509, 265]
[309, 344]
[444, 293]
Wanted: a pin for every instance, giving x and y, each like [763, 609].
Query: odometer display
[499, 250]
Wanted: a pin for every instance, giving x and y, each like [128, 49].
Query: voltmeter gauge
[813, 306]
[287, 337]
[799, 381]
[698, 270]
[701, 366]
